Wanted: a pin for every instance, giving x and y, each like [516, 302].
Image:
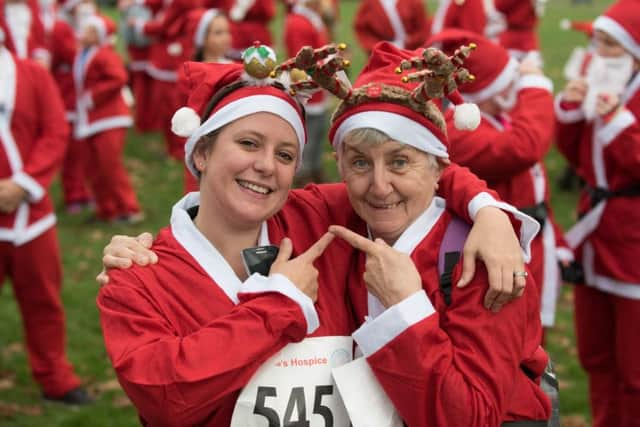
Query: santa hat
[492, 66]
[104, 26]
[383, 99]
[622, 22]
[202, 19]
[1, 36]
[222, 93]
[585, 27]
[68, 5]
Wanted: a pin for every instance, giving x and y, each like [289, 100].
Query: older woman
[441, 359]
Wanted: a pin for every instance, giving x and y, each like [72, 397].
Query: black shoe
[77, 396]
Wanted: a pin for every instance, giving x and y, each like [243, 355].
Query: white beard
[606, 75]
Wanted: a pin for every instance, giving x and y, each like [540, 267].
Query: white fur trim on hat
[184, 122]
[500, 83]
[466, 116]
[98, 23]
[203, 25]
[617, 31]
[242, 108]
[70, 4]
[397, 126]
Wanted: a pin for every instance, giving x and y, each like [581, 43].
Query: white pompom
[565, 24]
[466, 116]
[184, 122]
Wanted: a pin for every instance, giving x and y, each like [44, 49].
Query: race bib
[366, 402]
[294, 388]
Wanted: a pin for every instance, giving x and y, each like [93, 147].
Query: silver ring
[520, 274]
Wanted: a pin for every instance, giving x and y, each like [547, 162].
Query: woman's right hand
[300, 270]
[123, 251]
[575, 91]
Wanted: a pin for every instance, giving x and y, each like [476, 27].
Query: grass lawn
[159, 183]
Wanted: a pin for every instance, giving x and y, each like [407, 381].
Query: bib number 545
[296, 404]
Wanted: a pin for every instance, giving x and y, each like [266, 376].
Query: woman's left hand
[493, 241]
[390, 275]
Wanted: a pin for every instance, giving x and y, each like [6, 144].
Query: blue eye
[359, 163]
[399, 163]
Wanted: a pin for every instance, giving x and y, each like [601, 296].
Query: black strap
[450, 261]
[598, 194]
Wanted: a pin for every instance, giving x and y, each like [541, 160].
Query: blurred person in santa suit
[599, 135]
[33, 135]
[511, 23]
[171, 46]
[304, 26]
[23, 31]
[508, 148]
[404, 23]
[60, 25]
[102, 119]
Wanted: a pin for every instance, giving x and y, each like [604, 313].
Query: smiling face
[390, 184]
[247, 172]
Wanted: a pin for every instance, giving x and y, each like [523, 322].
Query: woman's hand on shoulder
[123, 251]
[493, 241]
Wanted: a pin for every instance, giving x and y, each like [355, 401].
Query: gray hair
[374, 137]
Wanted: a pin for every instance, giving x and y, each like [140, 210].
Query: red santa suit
[512, 23]
[467, 356]
[63, 45]
[102, 118]
[507, 150]
[606, 154]
[33, 134]
[24, 32]
[403, 23]
[305, 27]
[172, 45]
[140, 80]
[250, 22]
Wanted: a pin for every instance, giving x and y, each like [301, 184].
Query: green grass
[159, 183]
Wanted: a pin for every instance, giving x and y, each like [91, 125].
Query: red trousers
[146, 119]
[107, 176]
[36, 275]
[608, 334]
[166, 100]
[73, 180]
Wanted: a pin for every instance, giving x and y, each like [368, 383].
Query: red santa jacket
[512, 23]
[606, 154]
[250, 22]
[99, 76]
[509, 158]
[63, 46]
[404, 23]
[171, 44]
[36, 47]
[457, 364]
[34, 133]
[304, 27]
